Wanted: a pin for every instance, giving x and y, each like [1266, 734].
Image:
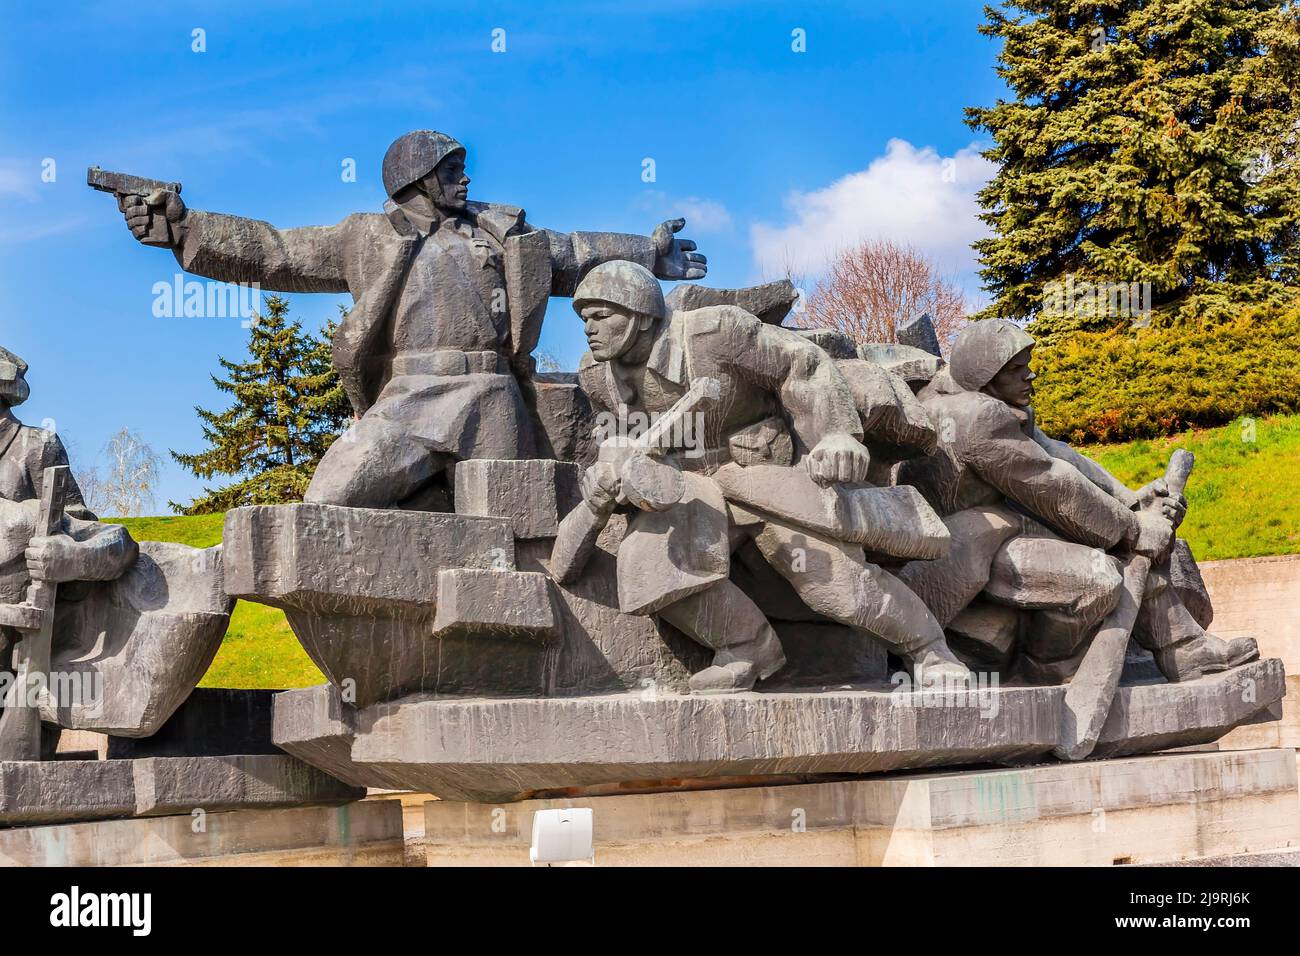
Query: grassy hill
[259, 650]
[1242, 497]
[1242, 503]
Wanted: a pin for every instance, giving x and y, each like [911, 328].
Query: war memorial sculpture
[724, 548]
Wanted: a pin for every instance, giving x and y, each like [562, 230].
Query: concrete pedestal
[367, 833]
[1155, 809]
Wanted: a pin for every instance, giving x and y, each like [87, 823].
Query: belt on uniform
[449, 362]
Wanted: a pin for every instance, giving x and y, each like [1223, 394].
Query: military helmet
[622, 283]
[414, 156]
[13, 380]
[982, 349]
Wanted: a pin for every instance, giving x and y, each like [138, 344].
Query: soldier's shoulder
[716, 318]
[498, 218]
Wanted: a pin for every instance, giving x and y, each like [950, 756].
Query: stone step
[494, 604]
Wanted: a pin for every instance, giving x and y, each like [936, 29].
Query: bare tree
[132, 470]
[92, 488]
[874, 286]
[547, 362]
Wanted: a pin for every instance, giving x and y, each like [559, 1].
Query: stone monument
[724, 550]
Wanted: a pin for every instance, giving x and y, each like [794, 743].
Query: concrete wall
[1260, 598]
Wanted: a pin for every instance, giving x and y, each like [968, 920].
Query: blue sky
[774, 156]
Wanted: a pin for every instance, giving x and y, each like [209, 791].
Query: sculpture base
[50, 791]
[500, 749]
[368, 833]
[1158, 809]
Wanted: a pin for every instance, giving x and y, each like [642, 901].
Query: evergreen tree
[1148, 141]
[288, 407]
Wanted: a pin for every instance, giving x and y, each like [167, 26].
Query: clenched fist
[838, 458]
[55, 559]
[155, 219]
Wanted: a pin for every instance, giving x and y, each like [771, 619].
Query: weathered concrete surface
[73, 790]
[360, 586]
[535, 494]
[146, 638]
[168, 785]
[52, 790]
[368, 833]
[1098, 813]
[500, 749]
[494, 604]
[314, 725]
[1260, 598]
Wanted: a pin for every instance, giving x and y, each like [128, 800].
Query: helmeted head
[431, 159]
[619, 303]
[13, 379]
[993, 356]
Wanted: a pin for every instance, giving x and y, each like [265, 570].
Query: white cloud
[909, 195]
[701, 215]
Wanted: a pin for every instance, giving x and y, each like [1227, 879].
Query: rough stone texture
[918, 332]
[52, 790]
[174, 785]
[147, 637]
[494, 604]
[1151, 810]
[360, 586]
[368, 833]
[914, 366]
[565, 419]
[486, 750]
[771, 302]
[314, 725]
[534, 494]
[67, 790]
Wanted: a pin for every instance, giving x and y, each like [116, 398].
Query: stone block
[368, 833]
[535, 494]
[355, 560]
[494, 604]
[487, 750]
[180, 785]
[1097, 813]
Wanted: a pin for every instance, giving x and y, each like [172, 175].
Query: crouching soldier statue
[776, 459]
[135, 626]
[1038, 530]
[449, 299]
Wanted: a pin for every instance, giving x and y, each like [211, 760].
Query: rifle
[20, 723]
[1091, 691]
[124, 184]
[642, 481]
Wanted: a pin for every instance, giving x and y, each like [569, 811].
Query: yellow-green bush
[1131, 383]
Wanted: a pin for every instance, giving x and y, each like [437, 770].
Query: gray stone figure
[143, 620]
[777, 461]
[1039, 530]
[449, 298]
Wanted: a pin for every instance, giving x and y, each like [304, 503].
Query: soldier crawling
[674, 563]
[449, 297]
[1037, 527]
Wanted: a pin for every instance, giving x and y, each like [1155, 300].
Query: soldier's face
[1015, 383]
[448, 184]
[611, 331]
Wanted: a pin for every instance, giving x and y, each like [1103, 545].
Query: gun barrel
[124, 184]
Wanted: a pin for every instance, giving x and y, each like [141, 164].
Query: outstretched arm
[574, 254]
[234, 249]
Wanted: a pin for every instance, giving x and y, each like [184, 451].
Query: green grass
[1242, 497]
[1242, 502]
[259, 649]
